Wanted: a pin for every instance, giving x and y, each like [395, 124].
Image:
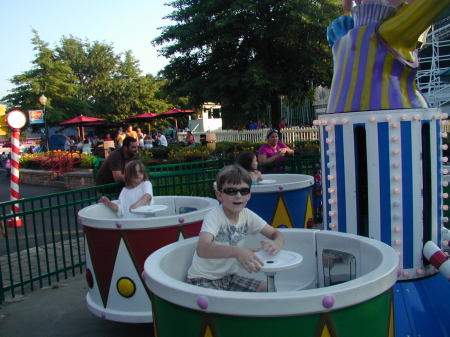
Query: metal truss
[433, 78]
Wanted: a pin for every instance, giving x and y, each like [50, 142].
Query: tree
[246, 54]
[80, 77]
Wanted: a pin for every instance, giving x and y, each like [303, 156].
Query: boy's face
[233, 197]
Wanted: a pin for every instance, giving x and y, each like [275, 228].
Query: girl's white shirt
[128, 196]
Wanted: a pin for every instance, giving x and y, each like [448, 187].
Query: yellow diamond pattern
[309, 211]
[208, 332]
[281, 217]
[325, 331]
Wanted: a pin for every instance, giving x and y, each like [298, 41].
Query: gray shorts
[232, 282]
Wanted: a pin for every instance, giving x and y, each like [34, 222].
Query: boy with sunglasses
[220, 245]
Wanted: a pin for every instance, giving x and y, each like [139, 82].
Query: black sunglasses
[234, 191]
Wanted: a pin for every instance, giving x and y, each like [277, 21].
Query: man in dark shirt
[113, 167]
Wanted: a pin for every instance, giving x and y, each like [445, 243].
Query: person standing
[113, 167]
[141, 137]
[162, 140]
[131, 133]
[190, 140]
[120, 137]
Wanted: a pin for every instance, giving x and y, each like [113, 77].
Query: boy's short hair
[233, 174]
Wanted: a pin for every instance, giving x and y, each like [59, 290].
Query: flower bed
[56, 161]
[65, 161]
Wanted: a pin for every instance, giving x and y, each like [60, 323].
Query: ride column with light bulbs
[16, 120]
[382, 178]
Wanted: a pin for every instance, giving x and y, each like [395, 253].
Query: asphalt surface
[61, 311]
[25, 190]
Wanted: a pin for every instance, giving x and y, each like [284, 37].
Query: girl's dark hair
[130, 170]
[234, 175]
[245, 159]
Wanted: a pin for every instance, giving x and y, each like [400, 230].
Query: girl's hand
[248, 260]
[104, 200]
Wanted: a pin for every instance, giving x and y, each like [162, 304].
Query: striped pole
[16, 120]
[14, 190]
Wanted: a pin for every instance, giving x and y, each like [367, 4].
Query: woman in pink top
[274, 150]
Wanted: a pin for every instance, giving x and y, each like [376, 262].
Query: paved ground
[25, 190]
[61, 312]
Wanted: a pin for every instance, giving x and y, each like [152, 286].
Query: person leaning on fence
[275, 150]
[138, 191]
[220, 247]
[113, 167]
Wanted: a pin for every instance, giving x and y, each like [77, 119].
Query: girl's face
[138, 176]
[254, 164]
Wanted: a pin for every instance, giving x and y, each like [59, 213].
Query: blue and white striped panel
[340, 179]
[350, 183]
[417, 188]
[325, 181]
[384, 164]
[373, 181]
[436, 234]
[407, 194]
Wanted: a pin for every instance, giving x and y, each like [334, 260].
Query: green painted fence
[49, 245]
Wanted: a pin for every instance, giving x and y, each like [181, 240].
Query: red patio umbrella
[175, 113]
[80, 121]
[144, 117]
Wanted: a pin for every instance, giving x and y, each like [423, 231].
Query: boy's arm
[276, 241]
[206, 248]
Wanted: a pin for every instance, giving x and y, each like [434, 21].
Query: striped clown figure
[375, 59]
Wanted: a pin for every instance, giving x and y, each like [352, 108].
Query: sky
[125, 24]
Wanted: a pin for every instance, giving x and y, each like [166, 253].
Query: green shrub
[309, 146]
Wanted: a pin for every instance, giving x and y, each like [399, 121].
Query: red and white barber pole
[437, 258]
[16, 119]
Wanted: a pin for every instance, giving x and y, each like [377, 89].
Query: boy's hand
[270, 246]
[248, 260]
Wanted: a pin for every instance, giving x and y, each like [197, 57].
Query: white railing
[289, 135]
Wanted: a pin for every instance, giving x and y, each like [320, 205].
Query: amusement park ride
[377, 268]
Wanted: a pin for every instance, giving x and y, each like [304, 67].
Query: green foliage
[189, 154]
[82, 77]
[310, 146]
[230, 150]
[245, 53]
